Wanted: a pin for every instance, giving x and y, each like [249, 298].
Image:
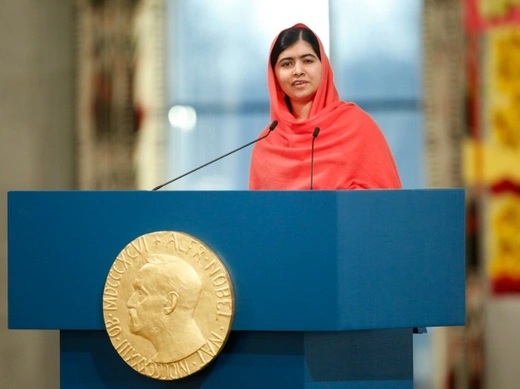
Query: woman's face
[298, 72]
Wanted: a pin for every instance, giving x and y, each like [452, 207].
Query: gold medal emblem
[168, 305]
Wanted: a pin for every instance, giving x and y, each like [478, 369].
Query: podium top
[299, 260]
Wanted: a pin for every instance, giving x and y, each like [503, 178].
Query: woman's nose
[298, 70]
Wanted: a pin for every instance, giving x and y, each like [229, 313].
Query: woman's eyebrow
[301, 56]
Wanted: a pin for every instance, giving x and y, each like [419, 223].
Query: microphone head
[273, 125]
[316, 132]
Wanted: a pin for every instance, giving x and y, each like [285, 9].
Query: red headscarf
[350, 151]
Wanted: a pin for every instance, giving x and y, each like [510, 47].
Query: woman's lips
[299, 83]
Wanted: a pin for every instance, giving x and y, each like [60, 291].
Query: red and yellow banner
[492, 154]
[486, 14]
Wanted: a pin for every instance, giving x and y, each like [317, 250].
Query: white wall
[37, 134]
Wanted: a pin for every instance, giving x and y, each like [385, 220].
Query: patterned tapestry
[444, 88]
[120, 93]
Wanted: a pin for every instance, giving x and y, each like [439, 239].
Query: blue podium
[329, 285]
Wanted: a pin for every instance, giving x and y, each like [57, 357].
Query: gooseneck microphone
[314, 136]
[271, 128]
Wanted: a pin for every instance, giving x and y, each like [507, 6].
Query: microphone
[314, 136]
[271, 128]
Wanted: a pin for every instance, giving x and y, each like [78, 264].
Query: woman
[348, 151]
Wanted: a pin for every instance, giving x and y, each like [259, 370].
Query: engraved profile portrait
[166, 291]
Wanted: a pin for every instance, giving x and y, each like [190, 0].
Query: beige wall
[37, 131]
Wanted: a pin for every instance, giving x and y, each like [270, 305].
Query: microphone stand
[314, 135]
[271, 128]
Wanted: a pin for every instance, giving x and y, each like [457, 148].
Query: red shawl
[350, 151]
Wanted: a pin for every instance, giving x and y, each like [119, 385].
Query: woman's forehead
[299, 48]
